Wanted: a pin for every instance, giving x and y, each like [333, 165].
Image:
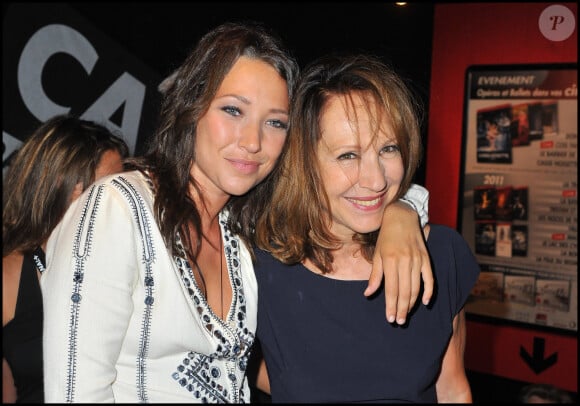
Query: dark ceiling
[160, 34]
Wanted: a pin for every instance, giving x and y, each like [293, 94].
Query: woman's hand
[401, 257]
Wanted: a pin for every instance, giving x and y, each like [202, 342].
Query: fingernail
[391, 319]
[401, 321]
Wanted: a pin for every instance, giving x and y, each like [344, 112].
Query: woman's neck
[348, 264]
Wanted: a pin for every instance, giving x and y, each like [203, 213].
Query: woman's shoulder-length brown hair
[296, 225]
[62, 152]
[187, 94]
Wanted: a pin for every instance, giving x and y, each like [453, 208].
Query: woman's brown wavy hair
[62, 152]
[187, 96]
[296, 224]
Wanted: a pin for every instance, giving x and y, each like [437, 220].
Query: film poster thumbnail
[553, 294]
[535, 121]
[520, 125]
[519, 289]
[503, 206]
[494, 140]
[485, 236]
[503, 242]
[485, 201]
[549, 118]
[489, 286]
[519, 203]
[519, 240]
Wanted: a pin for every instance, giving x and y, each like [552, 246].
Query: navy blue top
[324, 341]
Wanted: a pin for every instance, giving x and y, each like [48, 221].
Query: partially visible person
[354, 146]
[156, 298]
[51, 169]
[544, 393]
[150, 293]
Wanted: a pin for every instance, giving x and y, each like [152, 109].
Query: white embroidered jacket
[125, 322]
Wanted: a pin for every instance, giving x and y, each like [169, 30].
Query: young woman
[354, 146]
[150, 293]
[55, 164]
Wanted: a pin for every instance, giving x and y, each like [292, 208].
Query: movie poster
[519, 198]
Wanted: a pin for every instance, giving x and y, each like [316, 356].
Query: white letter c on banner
[44, 43]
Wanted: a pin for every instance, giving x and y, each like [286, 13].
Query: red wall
[478, 34]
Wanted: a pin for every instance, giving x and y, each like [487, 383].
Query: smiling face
[361, 169]
[241, 135]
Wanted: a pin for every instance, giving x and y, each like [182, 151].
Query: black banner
[55, 62]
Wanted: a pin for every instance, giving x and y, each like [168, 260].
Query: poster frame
[504, 159]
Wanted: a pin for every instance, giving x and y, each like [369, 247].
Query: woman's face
[361, 171]
[242, 134]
